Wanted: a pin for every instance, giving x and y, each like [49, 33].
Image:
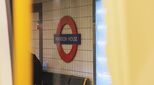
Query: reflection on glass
[102, 75]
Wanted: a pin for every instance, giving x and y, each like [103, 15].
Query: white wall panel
[5, 58]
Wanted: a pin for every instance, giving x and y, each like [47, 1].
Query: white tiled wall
[81, 12]
[35, 35]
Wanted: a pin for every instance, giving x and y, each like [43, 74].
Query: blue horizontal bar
[67, 38]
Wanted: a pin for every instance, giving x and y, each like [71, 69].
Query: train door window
[68, 20]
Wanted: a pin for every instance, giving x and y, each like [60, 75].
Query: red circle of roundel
[69, 21]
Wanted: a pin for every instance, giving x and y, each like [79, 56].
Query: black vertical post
[94, 41]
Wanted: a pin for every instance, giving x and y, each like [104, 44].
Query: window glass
[102, 75]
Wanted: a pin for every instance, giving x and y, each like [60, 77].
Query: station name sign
[67, 38]
[73, 39]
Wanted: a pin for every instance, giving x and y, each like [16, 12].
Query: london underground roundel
[73, 39]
